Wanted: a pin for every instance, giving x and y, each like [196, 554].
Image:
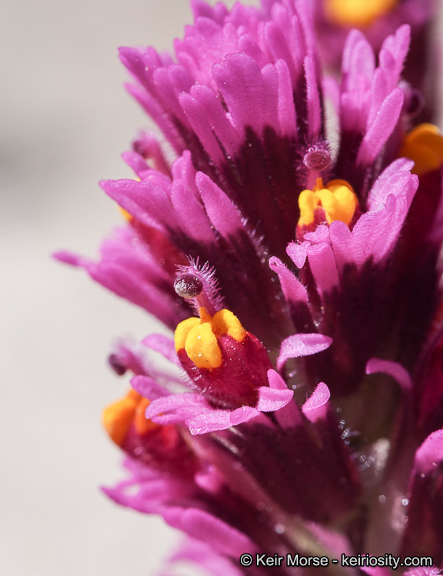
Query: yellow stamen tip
[307, 203]
[354, 13]
[119, 416]
[198, 336]
[142, 424]
[182, 331]
[225, 322]
[337, 199]
[339, 203]
[202, 348]
[134, 395]
[117, 419]
[424, 145]
[126, 214]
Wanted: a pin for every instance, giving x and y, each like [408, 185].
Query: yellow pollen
[357, 13]
[202, 347]
[142, 424]
[118, 417]
[224, 322]
[423, 145]
[337, 199]
[198, 336]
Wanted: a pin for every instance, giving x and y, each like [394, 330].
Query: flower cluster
[293, 246]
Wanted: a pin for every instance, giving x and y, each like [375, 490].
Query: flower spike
[297, 415]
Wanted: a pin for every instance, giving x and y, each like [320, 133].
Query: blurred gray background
[65, 119]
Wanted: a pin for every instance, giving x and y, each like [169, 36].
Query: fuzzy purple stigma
[199, 286]
[188, 285]
[317, 157]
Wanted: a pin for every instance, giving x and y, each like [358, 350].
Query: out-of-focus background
[65, 119]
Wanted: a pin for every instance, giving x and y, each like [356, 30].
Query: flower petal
[302, 345]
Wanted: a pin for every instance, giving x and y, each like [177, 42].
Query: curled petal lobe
[313, 407]
[293, 289]
[298, 253]
[270, 400]
[289, 415]
[302, 345]
[398, 372]
[430, 454]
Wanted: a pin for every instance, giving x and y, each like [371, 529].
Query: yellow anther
[198, 336]
[224, 322]
[355, 13]
[182, 331]
[142, 424]
[307, 202]
[117, 419]
[423, 145]
[134, 395]
[337, 199]
[126, 214]
[202, 347]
